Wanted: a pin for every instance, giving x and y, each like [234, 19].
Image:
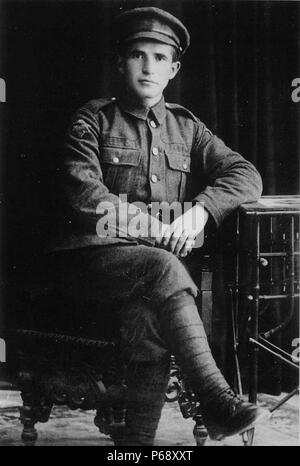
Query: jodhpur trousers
[139, 277]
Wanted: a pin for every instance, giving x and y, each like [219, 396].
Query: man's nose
[148, 65]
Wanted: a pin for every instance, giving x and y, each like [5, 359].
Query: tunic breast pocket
[120, 168]
[177, 175]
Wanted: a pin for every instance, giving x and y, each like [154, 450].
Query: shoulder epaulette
[181, 109]
[95, 105]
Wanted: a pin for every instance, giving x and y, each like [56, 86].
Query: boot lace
[229, 400]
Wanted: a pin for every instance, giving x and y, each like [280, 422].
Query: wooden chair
[58, 356]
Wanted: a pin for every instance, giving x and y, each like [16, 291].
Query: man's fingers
[159, 238]
[187, 247]
[174, 238]
[164, 239]
[180, 243]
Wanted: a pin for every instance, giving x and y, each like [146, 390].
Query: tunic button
[116, 159]
[153, 178]
[184, 166]
[155, 151]
[153, 124]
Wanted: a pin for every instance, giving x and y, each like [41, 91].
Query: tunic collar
[130, 106]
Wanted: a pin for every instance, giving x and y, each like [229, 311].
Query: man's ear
[176, 65]
[120, 64]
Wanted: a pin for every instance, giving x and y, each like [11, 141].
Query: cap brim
[153, 36]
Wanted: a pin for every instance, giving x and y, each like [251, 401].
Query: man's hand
[179, 237]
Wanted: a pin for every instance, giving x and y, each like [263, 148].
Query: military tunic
[164, 153]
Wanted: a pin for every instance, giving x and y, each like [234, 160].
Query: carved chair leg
[29, 435]
[35, 408]
[118, 427]
[103, 419]
[200, 432]
[110, 416]
[111, 421]
[28, 410]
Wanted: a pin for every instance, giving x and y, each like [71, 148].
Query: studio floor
[70, 428]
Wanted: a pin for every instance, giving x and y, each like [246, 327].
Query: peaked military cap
[151, 23]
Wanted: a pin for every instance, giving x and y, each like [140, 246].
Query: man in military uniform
[136, 150]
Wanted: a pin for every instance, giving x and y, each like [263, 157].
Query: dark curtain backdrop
[55, 55]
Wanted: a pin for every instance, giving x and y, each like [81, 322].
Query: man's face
[147, 68]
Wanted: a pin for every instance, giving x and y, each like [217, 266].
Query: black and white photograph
[149, 225]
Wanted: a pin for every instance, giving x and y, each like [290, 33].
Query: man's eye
[160, 57]
[136, 55]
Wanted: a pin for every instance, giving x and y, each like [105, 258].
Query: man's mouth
[147, 81]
